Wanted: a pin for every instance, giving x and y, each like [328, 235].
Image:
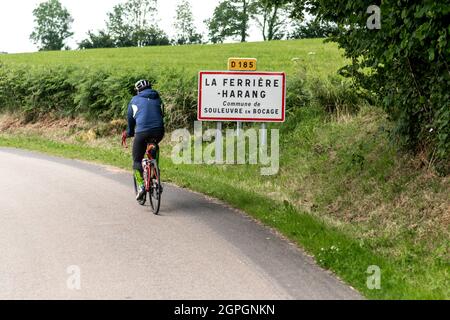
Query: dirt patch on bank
[15, 122]
[62, 129]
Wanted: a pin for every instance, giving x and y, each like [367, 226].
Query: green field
[321, 59]
[342, 183]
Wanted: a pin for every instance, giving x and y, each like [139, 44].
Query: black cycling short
[141, 141]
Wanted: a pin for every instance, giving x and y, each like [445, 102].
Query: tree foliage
[271, 17]
[119, 27]
[313, 29]
[52, 25]
[151, 36]
[404, 64]
[101, 39]
[184, 25]
[231, 19]
[129, 24]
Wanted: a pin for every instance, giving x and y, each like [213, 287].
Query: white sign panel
[242, 96]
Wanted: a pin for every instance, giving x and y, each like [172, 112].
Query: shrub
[94, 94]
[180, 94]
[12, 88]
[297, 94]
[104, 94]
[48, 92]
[336, 96]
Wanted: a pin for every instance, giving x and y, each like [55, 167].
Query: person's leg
[156, 137]
[139, 149]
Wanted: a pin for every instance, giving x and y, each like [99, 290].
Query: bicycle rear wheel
[155, 189]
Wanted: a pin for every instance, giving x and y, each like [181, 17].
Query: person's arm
[131, 122]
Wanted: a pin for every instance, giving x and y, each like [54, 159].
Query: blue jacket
[145, 113]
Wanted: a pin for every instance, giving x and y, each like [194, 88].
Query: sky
[16, 20]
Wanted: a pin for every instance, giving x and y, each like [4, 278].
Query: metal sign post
[219, 144]
[264, 134]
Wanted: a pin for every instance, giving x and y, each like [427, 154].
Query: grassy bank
[343, 193]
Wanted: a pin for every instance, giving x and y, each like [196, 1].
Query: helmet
[142, 85]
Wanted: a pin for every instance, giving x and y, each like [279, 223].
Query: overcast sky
[16, 19]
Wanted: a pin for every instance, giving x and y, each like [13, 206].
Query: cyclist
[146, 125]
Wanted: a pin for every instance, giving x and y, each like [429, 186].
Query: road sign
[242, 64]
[242, 96]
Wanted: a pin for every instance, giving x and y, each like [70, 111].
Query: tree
[152, 36]
[100, 40]
[184, 25]
[52, 26]
[139, 12]
[223, 23]
[231, 19]
[399, 54]
[272, 17]
[129, 22]
[313, 29]
[246, 9]
[119, 28]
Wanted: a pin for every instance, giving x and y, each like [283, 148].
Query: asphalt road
[57, 213]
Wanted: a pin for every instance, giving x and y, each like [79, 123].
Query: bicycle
[152, 177]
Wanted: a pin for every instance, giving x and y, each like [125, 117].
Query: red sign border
[200, 91]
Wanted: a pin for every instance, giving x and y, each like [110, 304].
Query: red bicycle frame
[146, 164]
